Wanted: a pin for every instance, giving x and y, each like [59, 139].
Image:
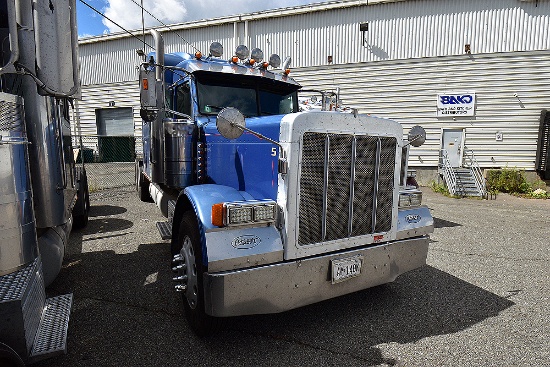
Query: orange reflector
[252, 61]
[217, 214]
[198, 54]
[265, 65]
[145, 84]
[235, 59]
[287, 71]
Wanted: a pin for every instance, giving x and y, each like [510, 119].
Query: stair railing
[448, 172]
[470, 161]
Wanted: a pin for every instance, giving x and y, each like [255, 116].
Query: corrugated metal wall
[406, 91]
[396, 30]
[412, 51]
[125, 94]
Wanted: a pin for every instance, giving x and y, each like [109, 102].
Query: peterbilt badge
[245, 242]
[413, 218]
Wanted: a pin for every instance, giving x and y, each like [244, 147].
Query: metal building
[474, 73]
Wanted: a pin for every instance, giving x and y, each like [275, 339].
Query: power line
[167, 26]
[115, 23]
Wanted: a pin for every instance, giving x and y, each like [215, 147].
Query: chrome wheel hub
[185, 268]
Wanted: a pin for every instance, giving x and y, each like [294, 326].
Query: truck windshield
[253, 96]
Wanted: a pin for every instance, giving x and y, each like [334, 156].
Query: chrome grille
[346, 186]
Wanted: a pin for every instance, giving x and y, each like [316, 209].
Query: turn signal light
[145, 84]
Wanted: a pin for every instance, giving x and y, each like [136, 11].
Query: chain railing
[109, 160]
[470, 161]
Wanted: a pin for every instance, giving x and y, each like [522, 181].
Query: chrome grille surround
[346, 186]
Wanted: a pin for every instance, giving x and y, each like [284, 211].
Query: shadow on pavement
[441, 223]
[127, 314]
[103, 210]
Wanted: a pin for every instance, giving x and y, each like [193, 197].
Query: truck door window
[183, 99]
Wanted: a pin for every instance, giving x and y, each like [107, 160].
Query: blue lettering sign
[464, 99]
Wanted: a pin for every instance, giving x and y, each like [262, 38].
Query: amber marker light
[198, 54]
[265, 65]
[145, 84]
[217, 214]
[287, 71]
[252, 61]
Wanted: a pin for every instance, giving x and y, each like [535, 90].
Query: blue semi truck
[268, 208]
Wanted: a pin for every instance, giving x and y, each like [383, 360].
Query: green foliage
[539, 194]
[440, 188]
[513, 181]
[507, 180]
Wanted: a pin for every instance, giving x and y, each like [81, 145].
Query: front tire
[189, 269]
[81, 209]
[9, 358]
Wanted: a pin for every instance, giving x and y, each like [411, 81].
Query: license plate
[344, 269]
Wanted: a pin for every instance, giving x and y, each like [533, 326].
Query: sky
[128, 14]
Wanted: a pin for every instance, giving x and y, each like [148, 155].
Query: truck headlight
[243, 212]
[410, 198]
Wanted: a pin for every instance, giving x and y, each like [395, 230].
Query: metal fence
[109, 160]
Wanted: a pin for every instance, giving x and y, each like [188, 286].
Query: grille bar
[346, 186]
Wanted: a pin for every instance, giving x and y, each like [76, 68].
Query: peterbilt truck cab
[268, 208]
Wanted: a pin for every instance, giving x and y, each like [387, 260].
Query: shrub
[507, 180]
[439, 188]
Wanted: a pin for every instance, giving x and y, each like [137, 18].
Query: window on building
[115, 121]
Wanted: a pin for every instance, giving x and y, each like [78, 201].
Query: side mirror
[230, 123]
[417, 136]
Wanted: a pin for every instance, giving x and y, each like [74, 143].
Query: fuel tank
[179, 138]
[18, 243]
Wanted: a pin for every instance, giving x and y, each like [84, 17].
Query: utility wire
[115, 23]
[167, 26]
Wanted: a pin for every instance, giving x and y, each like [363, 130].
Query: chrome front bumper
[285, 286]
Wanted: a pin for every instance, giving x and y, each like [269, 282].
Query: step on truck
[269, 209]
[43, 195]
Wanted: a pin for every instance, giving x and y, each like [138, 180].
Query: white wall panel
[309, 34]
[98, 96]
[406, 91]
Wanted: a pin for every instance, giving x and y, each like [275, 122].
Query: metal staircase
[466, 180]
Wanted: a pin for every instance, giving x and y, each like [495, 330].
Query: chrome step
[165, 230]
[51, 337]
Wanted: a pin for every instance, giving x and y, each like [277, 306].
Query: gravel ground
[482, 299]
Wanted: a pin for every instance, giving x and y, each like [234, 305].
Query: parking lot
[482, 299]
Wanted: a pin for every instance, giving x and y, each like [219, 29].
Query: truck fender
[200, 199]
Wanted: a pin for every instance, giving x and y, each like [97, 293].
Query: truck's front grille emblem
[346, 186]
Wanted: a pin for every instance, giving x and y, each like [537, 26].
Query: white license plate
[344, 269]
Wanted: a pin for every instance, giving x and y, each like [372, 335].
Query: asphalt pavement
[482, 299]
